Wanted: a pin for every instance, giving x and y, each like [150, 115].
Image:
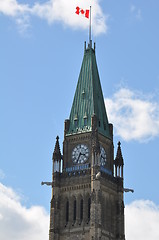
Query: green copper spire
[88, 98]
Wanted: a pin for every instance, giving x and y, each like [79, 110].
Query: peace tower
[87, 182]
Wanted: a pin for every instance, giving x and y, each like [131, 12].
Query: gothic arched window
[89, 209]
[74, 210]
[81, 210]
[67, 211]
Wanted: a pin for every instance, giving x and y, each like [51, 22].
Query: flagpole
[90, 28]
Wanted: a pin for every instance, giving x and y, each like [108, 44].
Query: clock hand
[83, 154]
[79, 156]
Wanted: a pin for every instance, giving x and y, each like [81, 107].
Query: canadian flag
[83, 12]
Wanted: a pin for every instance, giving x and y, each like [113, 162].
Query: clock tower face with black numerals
[87, 185]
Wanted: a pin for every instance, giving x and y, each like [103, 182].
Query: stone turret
[57, 157]
[119, 162]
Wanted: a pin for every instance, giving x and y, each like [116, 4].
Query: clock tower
[87, 182]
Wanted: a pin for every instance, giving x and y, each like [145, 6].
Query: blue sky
[42, 44]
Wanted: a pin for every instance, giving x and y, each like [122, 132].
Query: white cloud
[18, 222]
[142, 220]
[135, 116]
[19, 12]
[13, 8]
[56, 10]
[23, 23]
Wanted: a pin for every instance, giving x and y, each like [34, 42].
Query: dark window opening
[74, 213]
[75, 122]
[99, 123]
[67, 212]
[85, 121]
[81, 210]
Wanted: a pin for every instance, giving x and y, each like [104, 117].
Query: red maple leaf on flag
[83, 12]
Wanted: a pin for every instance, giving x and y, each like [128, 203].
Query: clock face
[80, 154]
[102, 156]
